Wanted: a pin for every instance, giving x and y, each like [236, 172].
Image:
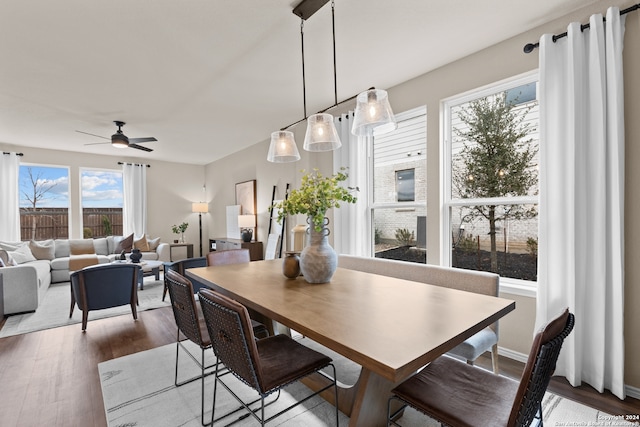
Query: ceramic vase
[291, 265]
[318, 260]
[135, 256]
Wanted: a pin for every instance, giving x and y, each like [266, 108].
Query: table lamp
[200, 208]
[246, 224]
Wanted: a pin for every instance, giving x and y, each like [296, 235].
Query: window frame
[507, 284]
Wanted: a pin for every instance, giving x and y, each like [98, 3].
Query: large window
[44, 202]
[491, 180]
[399, 183]
[101, 202]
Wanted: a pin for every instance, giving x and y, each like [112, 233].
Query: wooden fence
[53, 223]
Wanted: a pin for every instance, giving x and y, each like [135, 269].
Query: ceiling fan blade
[147, 139]
[139, 147]
[98, 143]
[92, 134]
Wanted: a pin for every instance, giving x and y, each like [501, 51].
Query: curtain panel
[10, 206]
[352, 221]
[134, 211]
[581, 237]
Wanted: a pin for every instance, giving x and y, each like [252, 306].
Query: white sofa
[449, 277]
[26, 283]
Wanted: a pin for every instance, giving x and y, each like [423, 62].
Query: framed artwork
[246, 197]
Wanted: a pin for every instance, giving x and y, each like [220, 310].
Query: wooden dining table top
[390, 326]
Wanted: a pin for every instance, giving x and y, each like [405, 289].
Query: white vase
[318, 260]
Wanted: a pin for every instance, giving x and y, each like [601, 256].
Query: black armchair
[104, 286]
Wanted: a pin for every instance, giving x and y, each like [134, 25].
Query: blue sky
[99, 188]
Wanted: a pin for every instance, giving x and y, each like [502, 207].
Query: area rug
[53, 310]
[138, 390]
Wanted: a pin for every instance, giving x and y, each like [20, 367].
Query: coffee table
[148, 268]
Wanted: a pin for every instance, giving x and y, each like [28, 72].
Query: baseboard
[520, 357]
[630, 391]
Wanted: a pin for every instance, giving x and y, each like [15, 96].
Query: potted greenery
[316, 195]
[180, 229]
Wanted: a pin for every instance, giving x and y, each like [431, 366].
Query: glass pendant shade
[373, 114]
[321, 134]
[283, 148]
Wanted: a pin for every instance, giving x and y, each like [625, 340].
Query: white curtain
[134, 211]
[10, 206]
[581, 238]
[352, 221]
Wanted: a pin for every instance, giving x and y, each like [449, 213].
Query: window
[399, 183]
[102, 197]
[44, 202]
[491, 180]
[405, 185]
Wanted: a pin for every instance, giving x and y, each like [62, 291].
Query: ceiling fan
[120, 140]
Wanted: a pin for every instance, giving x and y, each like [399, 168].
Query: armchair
[104, 286]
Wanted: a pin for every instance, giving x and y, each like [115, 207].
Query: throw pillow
[125, 244]
[1, 263]
[22, 254]
[101, 246]
[6, 258]
[81, 247]
[43, 250]
[153, 243]
[11, 246]
[141, 244]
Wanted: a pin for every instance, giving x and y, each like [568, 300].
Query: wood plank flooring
[51, 377]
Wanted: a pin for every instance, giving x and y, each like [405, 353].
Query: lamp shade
[321, 134]
[373, 114]
[246, 221]
[200, 207]
[283, 148]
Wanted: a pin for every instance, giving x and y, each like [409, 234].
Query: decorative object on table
[291, 264]
[316, 195]
[135, 256]
[200, 208]
[180, 229]
[246, 224]
[123, 255]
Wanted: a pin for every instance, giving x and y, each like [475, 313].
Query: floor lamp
[200, 208]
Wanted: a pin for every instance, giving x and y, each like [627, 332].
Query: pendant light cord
[304, 85]
[335, 74]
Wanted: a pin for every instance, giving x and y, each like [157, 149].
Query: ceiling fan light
[373, 114]
[321, 133]
[283, 148]
[119, 140]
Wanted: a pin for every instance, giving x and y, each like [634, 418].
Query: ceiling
[210, 77]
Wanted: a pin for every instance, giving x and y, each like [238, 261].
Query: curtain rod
[529, 47]
[17, 154]
[134, 164]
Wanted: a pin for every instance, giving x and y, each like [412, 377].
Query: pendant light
[283, 148]
[373, 114]
[321, 133]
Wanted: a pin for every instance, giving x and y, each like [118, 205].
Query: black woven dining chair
[459, 395]
[267, 365]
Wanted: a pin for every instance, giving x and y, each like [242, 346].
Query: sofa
[34, 265]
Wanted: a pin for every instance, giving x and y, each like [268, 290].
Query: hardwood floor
[51, 377]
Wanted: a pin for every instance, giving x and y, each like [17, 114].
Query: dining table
[390, 327]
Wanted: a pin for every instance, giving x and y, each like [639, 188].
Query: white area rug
[138, 391]
[54, 309]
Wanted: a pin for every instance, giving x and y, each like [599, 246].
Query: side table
[188, 247]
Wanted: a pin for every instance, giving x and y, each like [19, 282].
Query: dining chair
[104, 286]
[191, 324]
[233, 256]
[457, 395]
[238, 256]
[181, 266]
[267, 365]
